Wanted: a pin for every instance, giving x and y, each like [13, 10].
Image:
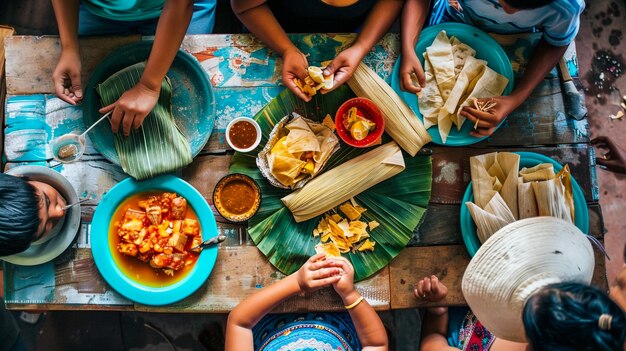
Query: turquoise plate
[527, 159]
[193, 103]
[128, 287]
[486, 49]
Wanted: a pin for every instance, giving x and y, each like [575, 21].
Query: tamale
[400, 121]
[488, 221]
[345, 181]
[566, 179]
[486, 169]
[527, 204]
[431, 101]
[442, 61]
[550, 195]
[540, 172]
[158, 146]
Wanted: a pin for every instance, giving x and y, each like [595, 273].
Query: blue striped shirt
[559, 21]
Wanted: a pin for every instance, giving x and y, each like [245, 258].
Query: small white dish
[256, 127]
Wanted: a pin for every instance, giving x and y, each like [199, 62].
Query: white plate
[50, 249]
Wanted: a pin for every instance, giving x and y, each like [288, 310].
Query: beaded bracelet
[354, 304]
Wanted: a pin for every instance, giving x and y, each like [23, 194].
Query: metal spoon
[78, 141]
[211, 242]
[75, 203]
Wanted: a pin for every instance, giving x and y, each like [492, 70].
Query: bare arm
[135, 104]
[314, 274]
[66, 75]
[413, 17]
[368, 325]
[376, 25]
[259, 19]
[543, 59]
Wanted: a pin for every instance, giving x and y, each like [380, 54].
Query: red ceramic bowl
[367, 109]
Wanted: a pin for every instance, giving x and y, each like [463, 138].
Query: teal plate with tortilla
[193, 102]
[486, 49]
[527, 159]
[129, 287]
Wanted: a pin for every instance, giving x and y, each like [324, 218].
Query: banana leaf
[398, 203]
[158, 146]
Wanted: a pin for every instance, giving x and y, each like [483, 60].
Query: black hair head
[527, 4]
[565, 316]
[19, 214]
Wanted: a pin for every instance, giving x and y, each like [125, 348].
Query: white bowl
[258, 134]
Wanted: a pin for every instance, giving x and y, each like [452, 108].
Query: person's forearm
[542, 60]
[261, 22]
[368, 325]
[413, 16]
[435, 322]
[378, 21]
[170, 32]
[66, 13]
[248, 313]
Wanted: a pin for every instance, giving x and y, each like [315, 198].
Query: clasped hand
[318, 272]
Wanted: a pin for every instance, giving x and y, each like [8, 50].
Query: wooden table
[246, 76]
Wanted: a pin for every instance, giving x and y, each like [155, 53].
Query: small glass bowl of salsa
[243, 134]
[237, 197]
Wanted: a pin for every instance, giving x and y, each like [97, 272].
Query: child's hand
[345, 285]
[343, 66]
[411, 68]
[488, 121]
[132, 108]
[66, 77]
[317, 273]
[430, 289]
[295, 66]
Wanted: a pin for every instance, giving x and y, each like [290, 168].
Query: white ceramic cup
[256, 127]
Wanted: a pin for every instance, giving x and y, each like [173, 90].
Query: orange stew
[151, 236]
[242, 134]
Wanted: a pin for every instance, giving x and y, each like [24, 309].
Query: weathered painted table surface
[246, 75]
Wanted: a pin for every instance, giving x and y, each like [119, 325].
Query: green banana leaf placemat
[398, 204]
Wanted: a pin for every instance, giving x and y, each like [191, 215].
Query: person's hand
[345, 285]
[131, 108]
[342, 67]
[411, 68]
[295, 66]
[430, 289]
[66, 77]
[488, 121]
[317, 273]
[614, 159]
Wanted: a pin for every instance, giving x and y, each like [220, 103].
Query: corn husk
[550, 195]
[400, 121]
[431, 102]
[158, 146]
[488, 221]
[540, 172]
[495, 172]
[345, 181]
[527, 204]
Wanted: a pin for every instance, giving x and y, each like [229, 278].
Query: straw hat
[518, 260]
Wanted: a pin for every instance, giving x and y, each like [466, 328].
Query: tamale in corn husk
[158, 146]
[540, 172]
[527, 204]
[345, 181]
[488, 221]
[555, 197]
[400, 121]
[442, 61]
[431, 101]
[489, 84]
[495, 172]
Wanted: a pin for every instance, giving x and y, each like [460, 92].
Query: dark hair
[19, 214]
[527, 4]
[564, 316]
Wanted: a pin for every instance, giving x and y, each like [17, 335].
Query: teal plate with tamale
[133, 287]
[527, 159]
[193, 101]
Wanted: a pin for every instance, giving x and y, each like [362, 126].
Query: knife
[211, 242]
[573, 101]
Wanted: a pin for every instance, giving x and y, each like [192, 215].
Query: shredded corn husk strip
[400, 122]
[345, 181]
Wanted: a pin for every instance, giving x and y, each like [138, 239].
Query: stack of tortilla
[454, 78]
